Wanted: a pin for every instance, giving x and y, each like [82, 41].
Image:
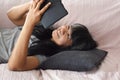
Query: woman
[48, 43]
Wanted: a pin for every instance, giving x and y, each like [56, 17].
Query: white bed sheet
[102, 17]
[5, 74]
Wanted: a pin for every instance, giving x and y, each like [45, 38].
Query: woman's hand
[34, 15]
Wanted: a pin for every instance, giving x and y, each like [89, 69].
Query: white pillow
[102, 17]
[5, 6]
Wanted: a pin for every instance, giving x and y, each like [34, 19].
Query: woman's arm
[17, 14]
[19, 59]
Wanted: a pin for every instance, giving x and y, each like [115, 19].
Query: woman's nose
[62, 29]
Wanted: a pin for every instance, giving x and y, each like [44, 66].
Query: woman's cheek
[63, 40]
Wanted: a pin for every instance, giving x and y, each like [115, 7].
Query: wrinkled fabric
[8, 38]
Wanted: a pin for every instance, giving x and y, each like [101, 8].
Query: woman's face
[62, 36]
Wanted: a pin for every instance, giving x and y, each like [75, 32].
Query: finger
[45, 8]
[39, 4]
[31, 5]
[34, 4]
[36, 0]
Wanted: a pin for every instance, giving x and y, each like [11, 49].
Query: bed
[102, 17]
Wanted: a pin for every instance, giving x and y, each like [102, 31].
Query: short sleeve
[41, 59]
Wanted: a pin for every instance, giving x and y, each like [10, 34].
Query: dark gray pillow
[75, 60]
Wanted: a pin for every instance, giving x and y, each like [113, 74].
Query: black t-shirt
[44, 45]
